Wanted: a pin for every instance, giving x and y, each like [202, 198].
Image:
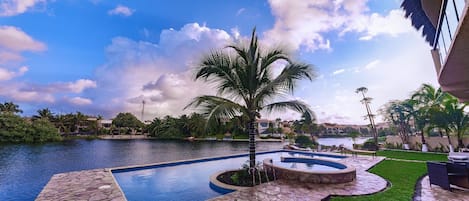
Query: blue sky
[104, 57]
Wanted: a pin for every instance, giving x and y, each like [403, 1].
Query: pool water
[183, 181]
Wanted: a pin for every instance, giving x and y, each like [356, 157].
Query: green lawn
[402, 175]
[419, 156]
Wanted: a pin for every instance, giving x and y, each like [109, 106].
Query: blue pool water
[308, 164]
[184, 181]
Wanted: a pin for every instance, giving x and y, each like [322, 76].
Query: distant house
[105, 123]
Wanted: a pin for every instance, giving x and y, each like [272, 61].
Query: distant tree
[366, 101]
[44, 114]
[10, 108]
[127, 120]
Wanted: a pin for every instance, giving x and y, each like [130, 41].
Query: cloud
[121, 10]
[303, 24]
[372, 64]
[13, 41]
[160, 73]
[6, 74]
[62, 87]
[16, 7]
[338, 71]
[80, 101]
[240, 11]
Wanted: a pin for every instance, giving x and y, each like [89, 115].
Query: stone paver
[435, 193]
[89, 185]
[366, 183]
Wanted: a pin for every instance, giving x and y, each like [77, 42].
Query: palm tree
[10, 108]
[366, 101]
[44, 114]
[458, 118]
[426, 99]
[246, 85]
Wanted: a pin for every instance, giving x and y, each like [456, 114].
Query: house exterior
[445, 26]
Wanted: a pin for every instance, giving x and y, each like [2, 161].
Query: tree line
[428, 109]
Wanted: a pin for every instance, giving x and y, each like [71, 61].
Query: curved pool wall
[343, 174]
[196, 186]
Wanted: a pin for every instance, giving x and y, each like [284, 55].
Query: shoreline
[143, 137]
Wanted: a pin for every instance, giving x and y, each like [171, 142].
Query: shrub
[369, 145]
[304, 141]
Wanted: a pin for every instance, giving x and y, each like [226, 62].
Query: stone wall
[433, 143]
[341, 176]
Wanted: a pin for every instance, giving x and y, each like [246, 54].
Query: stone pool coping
[100, 184]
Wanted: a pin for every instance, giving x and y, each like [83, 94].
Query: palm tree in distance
[366, 101]
[246, 79]
[44, 114]
[10, 108]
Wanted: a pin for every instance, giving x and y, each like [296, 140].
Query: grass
[403, 177]
[401, 174]
[418, 156]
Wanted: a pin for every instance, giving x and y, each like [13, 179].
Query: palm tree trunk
[252, 143]
[423, 136]
[460, 143]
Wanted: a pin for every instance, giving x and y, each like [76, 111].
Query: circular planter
[223, 187]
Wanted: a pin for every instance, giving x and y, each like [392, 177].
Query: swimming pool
[188, 180]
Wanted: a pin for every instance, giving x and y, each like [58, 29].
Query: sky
[104, 57]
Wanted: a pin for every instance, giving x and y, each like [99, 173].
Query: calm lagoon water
[346, 141]
[26, 169]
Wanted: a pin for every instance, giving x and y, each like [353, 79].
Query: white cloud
[159, 73]
[372, 64]
[338, 71]
[303, 24]
[80, 85]
[16, 7]
[6, 74]
[241, 10]
[393, 24]
[13, 41]
[80, 101]
[121, 10]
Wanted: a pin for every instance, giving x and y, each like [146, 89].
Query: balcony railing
[450, 15]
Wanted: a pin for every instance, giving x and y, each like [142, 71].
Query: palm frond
[294, 105]
[214, 107]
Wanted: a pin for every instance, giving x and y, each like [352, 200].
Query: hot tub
[310, 170]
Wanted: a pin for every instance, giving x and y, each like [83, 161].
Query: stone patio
[88, 185]
[436, 193]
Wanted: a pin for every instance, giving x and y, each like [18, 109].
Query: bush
[370, 145]
[304, 141]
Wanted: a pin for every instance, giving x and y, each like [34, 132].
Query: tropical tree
[425, 100]
[44, 114]
[370, 116]
[246, 85]
[399, 113]
[458, 118]
[10, 108]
